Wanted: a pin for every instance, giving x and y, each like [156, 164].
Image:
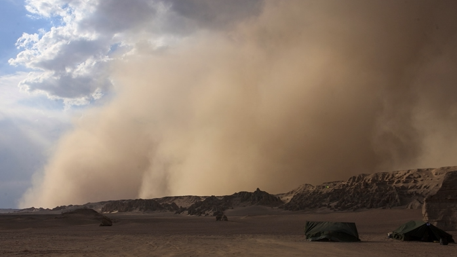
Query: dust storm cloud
[300, 92]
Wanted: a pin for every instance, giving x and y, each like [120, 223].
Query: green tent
[331, 231]
[415, 230]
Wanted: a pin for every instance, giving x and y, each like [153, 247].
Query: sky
[120, 99]
[29, 124]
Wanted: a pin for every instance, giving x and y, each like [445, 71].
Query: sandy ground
[252, 231]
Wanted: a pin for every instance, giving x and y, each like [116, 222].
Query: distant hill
[194, 205]
[8, 210]
[406, 188]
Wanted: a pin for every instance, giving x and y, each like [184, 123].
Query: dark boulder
[106, 222]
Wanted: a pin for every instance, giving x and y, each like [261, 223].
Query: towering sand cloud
[295, 92]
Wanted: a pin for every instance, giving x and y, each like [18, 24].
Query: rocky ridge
[182, 201]
[216, 205]
[194, 205]
[137, 205]
[191, 205]
[406, 188]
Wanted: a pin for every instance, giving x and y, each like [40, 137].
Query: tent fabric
[331, 231]
[415, 230]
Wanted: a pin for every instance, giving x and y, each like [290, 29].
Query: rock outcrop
[440, 209]
[258, 197]
[406, 188]
[214, 205]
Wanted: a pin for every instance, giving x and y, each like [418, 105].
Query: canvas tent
[331, 231]
[420, 231]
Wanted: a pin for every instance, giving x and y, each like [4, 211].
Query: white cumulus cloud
[71, 60]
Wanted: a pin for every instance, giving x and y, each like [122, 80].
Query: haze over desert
[228, 127]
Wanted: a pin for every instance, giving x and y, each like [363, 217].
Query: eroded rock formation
[406, 188]
[440, 209]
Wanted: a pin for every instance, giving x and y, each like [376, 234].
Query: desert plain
[249, 231]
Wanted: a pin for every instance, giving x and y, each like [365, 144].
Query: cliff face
[440, 209]
[406, 188]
